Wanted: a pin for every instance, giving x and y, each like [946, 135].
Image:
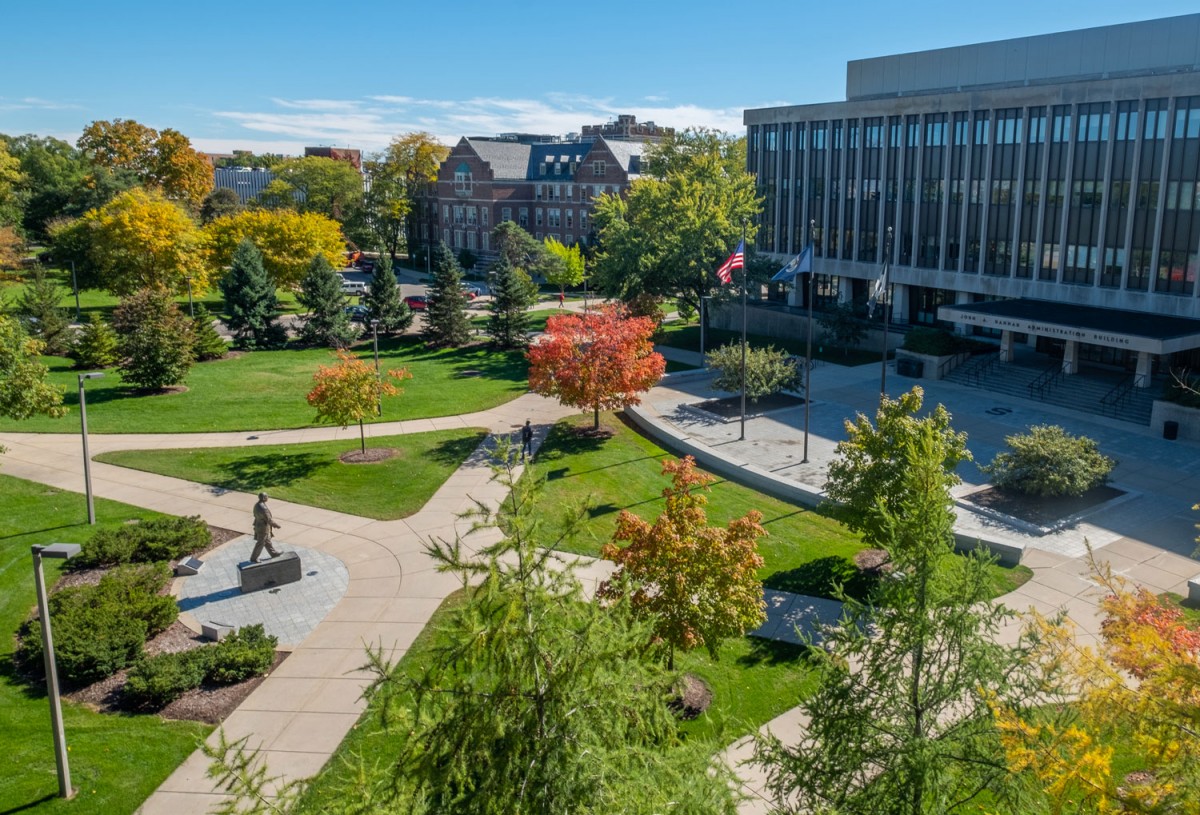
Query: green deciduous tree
[768, 370]
[403, 173]
[383, 300]
[697, 584]
[11, 181]
[218, 204]
[679, 221]
[37, 308]
[154, 340]
[563, 266]
[517, 246]
[326, 186]
[287, 240]
[901, 719]
[513, 292]
[24, 391]
[1049, 461]
[326, 322]
[842, 327]
[95, 345]
[446, 312]
[250, 301]
[866, 478]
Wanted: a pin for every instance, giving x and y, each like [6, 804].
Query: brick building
[545, 184]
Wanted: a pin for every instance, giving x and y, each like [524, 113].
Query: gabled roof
[508, 160]
[627, 153]
[564, 153]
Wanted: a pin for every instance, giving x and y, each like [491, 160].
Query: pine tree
[207, 344]
[513, 292]
[155, 340]
[38, 309]
[446, 313]
[95, 345]
[383, 300]
[321, 293]
[250, 301]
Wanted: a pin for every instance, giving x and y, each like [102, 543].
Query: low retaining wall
[1008, 554]
[1188, 419]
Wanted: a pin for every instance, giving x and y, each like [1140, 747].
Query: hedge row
[156, 682]
[158, 539]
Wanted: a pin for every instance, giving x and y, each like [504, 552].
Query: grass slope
[116, 761]
[312, 474]
[265, 390]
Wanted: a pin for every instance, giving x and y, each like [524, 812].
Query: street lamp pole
[63, 551]
[378, 378]
[87, 462]
[191, 309]
[75, 287]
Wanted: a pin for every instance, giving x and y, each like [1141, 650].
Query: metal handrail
[1122, 391]
[981, 367]
[1045, 381]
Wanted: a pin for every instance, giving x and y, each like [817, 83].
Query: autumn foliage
[350, 391]
[602, 360]
[699, 583]
[1141, 683]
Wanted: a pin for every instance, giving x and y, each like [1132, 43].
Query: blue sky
[265, 75]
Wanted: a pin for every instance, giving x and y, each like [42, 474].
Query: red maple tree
[602, 360]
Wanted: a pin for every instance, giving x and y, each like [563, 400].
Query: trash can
[1170, 430]
[910, 367]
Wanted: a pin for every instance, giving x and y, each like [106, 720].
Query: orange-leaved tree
[699, 582]
[602, 360]
[1141, 683]
[350, 391]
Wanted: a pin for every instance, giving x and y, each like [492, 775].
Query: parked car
[357, 314]
[471, 291]
[354, 288]
[417, 302]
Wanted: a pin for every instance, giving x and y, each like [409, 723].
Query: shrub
[768, 370]
[156, 682]
[157, 539]
[243, 654]
[95, 345]
[842, 327]
[138, 591]
[1183, 390]
[1048, 461]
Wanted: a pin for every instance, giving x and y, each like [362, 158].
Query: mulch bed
[372, 455]
[694, 697]
[730, 407]
[1041, 511]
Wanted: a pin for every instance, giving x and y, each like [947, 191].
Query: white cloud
[371, 122]
[36, 103]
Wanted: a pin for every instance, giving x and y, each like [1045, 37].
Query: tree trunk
[596, 418]
[362, 437]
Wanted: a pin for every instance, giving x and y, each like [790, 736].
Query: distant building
[247, 182]
[546, 184]
[337, 154]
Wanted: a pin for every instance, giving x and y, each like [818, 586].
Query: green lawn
[116, 761]
[265, 390]
[687, 337]
[311, 473]
[806, 552]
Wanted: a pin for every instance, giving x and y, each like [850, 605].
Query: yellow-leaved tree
[1140, 686]
[288, 241]
[350, 391]
[162, 160]
[140, 240]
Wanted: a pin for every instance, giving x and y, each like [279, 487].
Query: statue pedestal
[267, 574]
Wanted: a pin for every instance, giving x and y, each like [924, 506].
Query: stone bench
[1194, 589]
[267, 574]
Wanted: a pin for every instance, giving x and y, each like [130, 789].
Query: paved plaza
[379, 587]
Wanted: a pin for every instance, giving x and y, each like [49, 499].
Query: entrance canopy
[1110, 327]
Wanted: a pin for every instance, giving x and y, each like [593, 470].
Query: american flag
[736, 261]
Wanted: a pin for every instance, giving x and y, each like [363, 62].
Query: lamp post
[87, 462]
[378, 379]
[75, 288]
[191, 309]
[60, 551]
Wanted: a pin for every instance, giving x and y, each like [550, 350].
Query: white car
[354, 288]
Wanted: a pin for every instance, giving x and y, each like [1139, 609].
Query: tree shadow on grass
[773, 652]
[266, 471]
[454, 452]
[821, 577]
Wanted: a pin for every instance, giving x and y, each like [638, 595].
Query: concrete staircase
[1102, 393]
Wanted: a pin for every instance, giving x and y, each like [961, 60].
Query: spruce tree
[39, 312]
[446, 312]
[207, 344]
[321, 293]
[95, 344]
[155, 340]
[250, 301]
[513, 292]
[383, 300]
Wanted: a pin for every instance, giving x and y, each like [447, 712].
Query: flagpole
[808, 363]
[703, 288]
[887, 313]
[742, 437]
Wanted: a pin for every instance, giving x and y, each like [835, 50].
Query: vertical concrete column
[961, 298]
[845, 291]
[1070, 363]
[900, 303]
[1006, 346]
[1143, 369]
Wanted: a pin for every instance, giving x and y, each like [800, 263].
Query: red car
[417, 302]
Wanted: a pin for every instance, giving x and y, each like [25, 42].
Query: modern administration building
[1044, 191]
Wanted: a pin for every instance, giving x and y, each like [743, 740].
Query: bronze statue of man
[263, 524]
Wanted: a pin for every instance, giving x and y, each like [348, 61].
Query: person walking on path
[263, 524]
[561, 299]
[527, 441]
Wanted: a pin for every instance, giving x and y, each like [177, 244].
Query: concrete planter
[1187, 418]
[931, 367]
